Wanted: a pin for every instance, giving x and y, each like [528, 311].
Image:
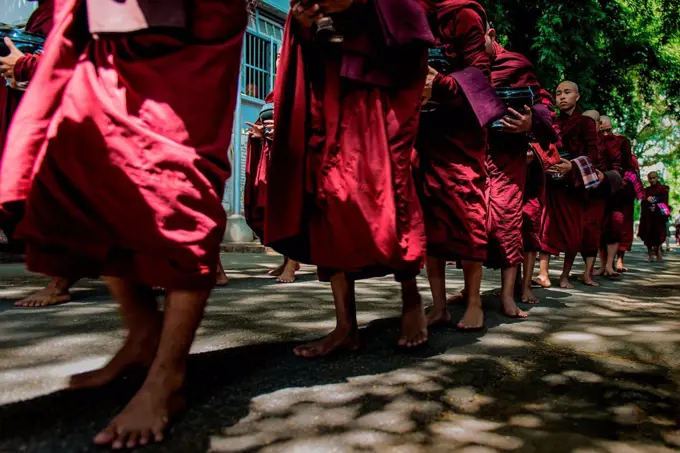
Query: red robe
[451, 142]
[40, 23]
[255, 190]
[506, 164]
[627, 201]
[121, 157]
[653, 228]
[616, 150]
[343, 196]
[564, 213]
[595, 208]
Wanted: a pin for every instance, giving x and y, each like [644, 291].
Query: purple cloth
[116, 16]
[484, 101]
[403, 22]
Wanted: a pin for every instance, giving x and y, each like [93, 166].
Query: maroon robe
[255, 190]
[595, 208]
[564, 213]
[616, 150]
[343, 196]
[628, 205]
[121, 157]
[506, 163]
[653, 224]
[452, 143]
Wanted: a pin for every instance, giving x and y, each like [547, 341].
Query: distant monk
[564, 215]
[654, 215]
[628, 210]
[120, 147]
[593, 214]
[260, 136]
[617, 152]
[506, 164]
[342, 195]
[19, 68]
[452, 150]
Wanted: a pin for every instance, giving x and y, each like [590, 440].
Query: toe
[105, 437]
[133, 439]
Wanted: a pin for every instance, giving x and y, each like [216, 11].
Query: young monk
[156, 139]
[342, 196]
[617, 152]
[653, 219]
[260, 136]
[563, 219]
[506, 165]
[19, 69]
[628, 210]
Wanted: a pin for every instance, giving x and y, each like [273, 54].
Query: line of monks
[375, 163]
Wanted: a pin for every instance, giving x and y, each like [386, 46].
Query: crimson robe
[616, 150]
[122, 157]
[506, 163]
[452, 144]
[40, 23]
[255, 190]
[564, 213]
[653, 224]
[343, 196]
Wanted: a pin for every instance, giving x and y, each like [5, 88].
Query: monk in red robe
[346, 116]
[452, 150]
[616, 150]
[506, 165]
[260, 136]
[564, 215]
[19, 69]
[628, 211]
[122, 161]
[654, 217]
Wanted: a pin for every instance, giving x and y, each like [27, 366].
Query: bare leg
[473, 319]
[568, 264]
[529, 264]
[413, 319]
[508, 305]
[659, 252]
[346, 333]
[142, 319]
[436, 273]
[279, 270]
[612, 249]
[146, 416]
[588, 274]
[603, 263]
[57, 292]
[620, 266]
[543, 278]
[288, 274]
[221, 278]
[650, 252]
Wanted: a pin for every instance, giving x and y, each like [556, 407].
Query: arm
[592, 145]
[26, 66]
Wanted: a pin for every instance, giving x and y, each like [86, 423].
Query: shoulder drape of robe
[342, 194]
[652, 228]
[121, 157]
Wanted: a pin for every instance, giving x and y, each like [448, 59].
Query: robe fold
[121, 158]
[653, 224]
[343, 195]
[617, 152]
[451, 142]
[506, 163]
[564, 213]
[255, 190]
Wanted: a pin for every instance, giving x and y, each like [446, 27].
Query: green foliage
[623, 54]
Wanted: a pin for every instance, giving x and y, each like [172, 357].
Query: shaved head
[594, 114]
[569, 84]
[606, 122]
[567, 96]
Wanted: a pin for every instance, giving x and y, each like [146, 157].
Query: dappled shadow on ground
[592, 369]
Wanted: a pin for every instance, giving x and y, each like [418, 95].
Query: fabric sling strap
[125, 16]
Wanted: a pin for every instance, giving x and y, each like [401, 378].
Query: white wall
[12, 11]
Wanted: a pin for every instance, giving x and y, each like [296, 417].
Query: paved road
[591, 370]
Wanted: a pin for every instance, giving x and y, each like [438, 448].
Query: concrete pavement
[591, 370]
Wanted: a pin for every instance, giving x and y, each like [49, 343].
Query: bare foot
[57, 292]
[473, 319]
[413, 327]
[588, 281]
[543, 282]
[278, 271]
[222, 279]
[143, 420]
[338, 340]
[135, 353]
[565, 283]
[621, 270]
[529, 298]
[438, 317]
[458, 298]
[651, 259]
[659, 257]
[288, 275]
[598, 272]
[510, 309]
[611, 273]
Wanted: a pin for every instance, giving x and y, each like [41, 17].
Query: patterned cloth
[664, 209]
[588, 173]
[634, 179]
